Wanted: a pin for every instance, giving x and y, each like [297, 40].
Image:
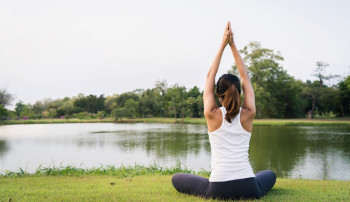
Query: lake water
[312, 152]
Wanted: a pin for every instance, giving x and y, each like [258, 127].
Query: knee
[272, 174]
[176, 180]
[266, 175]
[269, 173]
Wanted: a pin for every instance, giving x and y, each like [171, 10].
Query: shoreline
[257, 122]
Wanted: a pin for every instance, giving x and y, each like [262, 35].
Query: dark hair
[228, 88]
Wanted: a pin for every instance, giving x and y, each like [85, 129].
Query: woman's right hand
[226, 37]
[230, 37]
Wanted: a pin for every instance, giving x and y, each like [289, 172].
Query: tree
[122, 98]
[320, 73]
[176, 97]
[193, 102]
[5, 98]
[150, 103]
[272, 85]
[20, 107]
[91, 103]
[111, 102]
[162, 86]
[118, 113]
[131, 108]
[343, 98]
[317, 93]
[3, 112]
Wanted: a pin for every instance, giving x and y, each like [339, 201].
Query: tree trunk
[309, 114]
[313, 108]
[183, 117]
[341, 110]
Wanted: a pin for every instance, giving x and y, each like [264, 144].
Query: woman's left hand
[226, 36]
[230, 34]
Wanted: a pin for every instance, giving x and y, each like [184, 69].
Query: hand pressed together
[228, 35]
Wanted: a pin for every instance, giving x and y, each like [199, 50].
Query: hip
[229, 174]
[234, 189]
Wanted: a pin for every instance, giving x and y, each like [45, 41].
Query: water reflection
[302, 152]
[3, 148]
[296, 152]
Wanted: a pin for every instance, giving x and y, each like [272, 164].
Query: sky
[54, 49]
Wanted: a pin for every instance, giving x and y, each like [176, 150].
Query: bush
[3, 113]
[81, 115]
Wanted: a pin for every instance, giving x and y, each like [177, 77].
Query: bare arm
[249, 98]
[211, 113]
[208, 95]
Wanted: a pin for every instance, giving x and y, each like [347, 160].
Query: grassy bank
[46, 121]
[257, 122]
[142, 184]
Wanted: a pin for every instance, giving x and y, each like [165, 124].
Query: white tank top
[229, 151]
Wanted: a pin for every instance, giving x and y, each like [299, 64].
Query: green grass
[257, 122]
[122, 171]
[141, 183]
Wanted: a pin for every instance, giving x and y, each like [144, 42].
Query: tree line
[278, 95]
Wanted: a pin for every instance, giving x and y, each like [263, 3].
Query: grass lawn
[154, 187]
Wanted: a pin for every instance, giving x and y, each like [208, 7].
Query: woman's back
[229, 149]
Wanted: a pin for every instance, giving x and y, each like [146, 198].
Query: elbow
[210, 74]
[253, 111]
[206, 113]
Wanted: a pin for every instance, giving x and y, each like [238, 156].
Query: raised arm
[210, 112]
[249, 98]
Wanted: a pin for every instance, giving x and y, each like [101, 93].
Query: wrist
[232, 44]
[223, 45]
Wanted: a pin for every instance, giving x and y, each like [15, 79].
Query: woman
[229, 129]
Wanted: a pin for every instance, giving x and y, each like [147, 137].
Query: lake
[310, 152]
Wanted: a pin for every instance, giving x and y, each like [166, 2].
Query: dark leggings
[248, 188]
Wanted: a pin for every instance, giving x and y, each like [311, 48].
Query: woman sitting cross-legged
[229, 129]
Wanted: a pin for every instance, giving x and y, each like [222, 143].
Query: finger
[229, 25]
[226, 28]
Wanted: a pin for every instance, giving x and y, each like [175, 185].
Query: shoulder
[214, 118]
[247, 117]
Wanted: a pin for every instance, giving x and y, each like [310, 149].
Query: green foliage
[3, 113]
[121, 99]
[50, 113]
[278, 95]
[5, 98]
[122, 171]
[20, 107]
[151, 103]
[131, 108]
[175, 97]
[28, 112]
[110, 103]
[272, 85]
[91, 103]
[118, 113]
[343, 104]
